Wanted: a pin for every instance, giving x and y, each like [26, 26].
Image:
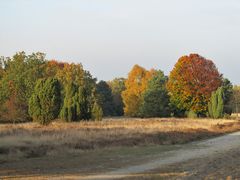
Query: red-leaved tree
[191, 83]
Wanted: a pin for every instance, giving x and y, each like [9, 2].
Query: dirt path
[202, 149]
[216, 158]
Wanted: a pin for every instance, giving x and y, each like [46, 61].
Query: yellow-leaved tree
[136, 85]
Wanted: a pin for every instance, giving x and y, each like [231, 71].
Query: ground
[122, 148]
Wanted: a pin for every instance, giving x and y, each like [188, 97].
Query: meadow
[33, 140]
[31, 150]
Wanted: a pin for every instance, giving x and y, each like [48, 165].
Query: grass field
[88, 147]
[33, 140]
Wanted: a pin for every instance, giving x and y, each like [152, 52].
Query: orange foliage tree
[136, 84]
[191, 83]
[53, 67]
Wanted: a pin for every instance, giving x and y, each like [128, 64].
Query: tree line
[33, 88]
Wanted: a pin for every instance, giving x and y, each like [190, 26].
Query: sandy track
[195, 150]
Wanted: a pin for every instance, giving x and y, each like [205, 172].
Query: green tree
[155, 98]
[90, 92]
[84, 104]
[44, 104]
[78, 87]
[68, 110]
[216, 104]
[76, 104]
[105, 98]
[118, 86]
[21, 73]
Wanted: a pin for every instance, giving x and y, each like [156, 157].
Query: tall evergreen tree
[155, 98]
[83, 104]
[44, 104]
[105, 97]
[68, 111]
[216, 104]
[78, 86]
[77, 105]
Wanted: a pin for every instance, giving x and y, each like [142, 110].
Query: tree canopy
[34, 88]
[20, 75]
[191, 83]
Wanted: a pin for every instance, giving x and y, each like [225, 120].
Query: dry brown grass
[31, 150]
[33, 140]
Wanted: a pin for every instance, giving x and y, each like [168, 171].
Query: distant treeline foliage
[33, 88]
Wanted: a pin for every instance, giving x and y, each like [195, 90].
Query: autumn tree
[53, 67]
[71, 73]
[18, 77]
[118, 86]
[44, 104]
[191, 83]
[136, 84]
[155, 98]
[10, 111]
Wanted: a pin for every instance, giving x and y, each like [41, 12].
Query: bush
[191, 114]
[44, 104]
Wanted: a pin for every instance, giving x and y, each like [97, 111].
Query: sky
[109, 36]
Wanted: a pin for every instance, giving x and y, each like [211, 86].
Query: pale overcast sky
[109, 36]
